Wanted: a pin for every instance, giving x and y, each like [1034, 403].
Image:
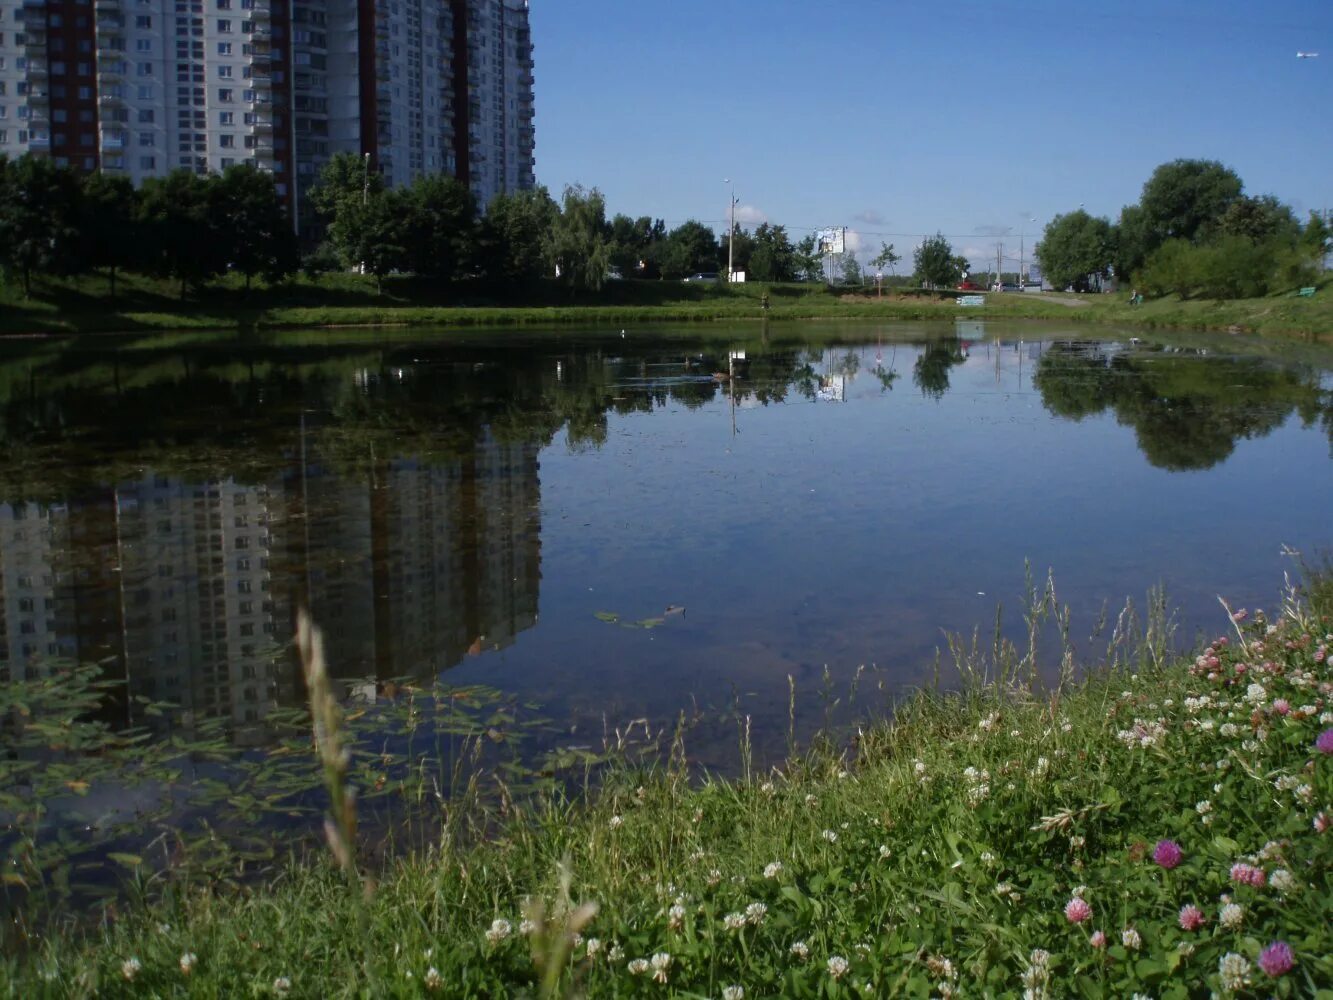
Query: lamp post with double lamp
[731, 225]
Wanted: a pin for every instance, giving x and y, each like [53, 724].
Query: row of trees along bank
[1194, 232]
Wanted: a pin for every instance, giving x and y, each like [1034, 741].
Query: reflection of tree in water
[931, 370]
[1187, 411]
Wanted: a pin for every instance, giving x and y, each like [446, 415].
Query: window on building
[227, 141]
[144, 69]
[224, 26]
[226, 95]
[147, 139]
[224, 72]
[146, 115]
[224, 48]
[226, 117]
[143, 21]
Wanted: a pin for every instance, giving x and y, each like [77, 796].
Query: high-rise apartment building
[144, 87]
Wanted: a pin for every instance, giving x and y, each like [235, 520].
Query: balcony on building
[262, 11]
[38, 69]
[110, 24]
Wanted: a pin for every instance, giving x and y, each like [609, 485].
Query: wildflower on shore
[755, 913]
[1243, 874]
[282, 986]
[799, 949]
[500, 929]
[1232, 916]
[1131, 939]
[1324, 743]
[734, 921]
[433, 980]
[1191, 917]
[1167, 854]
[638, 966]
[1277, 959]
[1077, 910]
[773, 869]
[838, 966]
[187, 963]
[130, 968]
[661, 962]
[733, 993]
[1098, 940]
[1234, 970]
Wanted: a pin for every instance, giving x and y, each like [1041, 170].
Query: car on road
[703, 276]
[968, 286]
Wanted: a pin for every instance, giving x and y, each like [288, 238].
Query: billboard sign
[831, 241]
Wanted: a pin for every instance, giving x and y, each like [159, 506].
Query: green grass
[83, 306]
[934, 857]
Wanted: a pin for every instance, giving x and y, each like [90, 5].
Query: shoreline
[978, 843]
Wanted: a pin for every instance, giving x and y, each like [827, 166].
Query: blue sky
[898, 119]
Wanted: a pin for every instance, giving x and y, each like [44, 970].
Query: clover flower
[500, 929]
[1167, 854]
[1234, 970]
[130, 968]
[1098, 940]
[733, 993]
[433, 980]
[799, 949]
[1324, 742]
[773, 869]
[1243, 874]
[615, 822]
[676, 917]
[755, 913]
[282, 986]
[1277, 959]
[1131, 939]
[733, 921]
[1077, 910]
[838, 966]
[1282, 880]
[830, 836]
[1232, 916]
[187, 963]
[1191, 917]
[661, 962]
[638, 966]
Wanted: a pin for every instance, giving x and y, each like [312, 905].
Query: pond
[626, 527]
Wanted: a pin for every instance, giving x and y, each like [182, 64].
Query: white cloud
[748, 216]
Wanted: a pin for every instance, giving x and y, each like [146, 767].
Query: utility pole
[365, 179]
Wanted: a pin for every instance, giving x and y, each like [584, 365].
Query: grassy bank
[84, 306]
[1160, 828]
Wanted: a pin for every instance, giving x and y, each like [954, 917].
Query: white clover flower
[733, 993]
[768, 788]
[187, 963]
[638, 966]
[661, 962]
[773, 869]
[884, 852]
[838, 966]
[615, 822]
[527, 928]
[1229, 730]
[733, 921]
[676, 917]
[1232, 916]
[433, 980]
[594, 945]
[1304, 793]
[714, 877]
[500, 929]
[1234, 970]
[811, 801]
[799, 949]
[1282, 880]
[1256, 694]
[282, 986]
[130, 968]
[1130, 938]
[755, 913]
[615, 954]
[830, 836]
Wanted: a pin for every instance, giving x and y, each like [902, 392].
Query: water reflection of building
[188, 589]
[426, 563]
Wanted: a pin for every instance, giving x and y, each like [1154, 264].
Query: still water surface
[617, 528]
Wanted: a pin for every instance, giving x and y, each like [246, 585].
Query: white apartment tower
[144, 87]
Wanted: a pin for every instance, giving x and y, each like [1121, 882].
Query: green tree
[690, 248]
[633, 242]
[108, 221]
[1074, 249]
[515, 236]
[886, 258]
[440, 226]
[578, 240]
[1317, 238]
[252, 229]
[38, 218]
[1260, 220]
[1185, 199]
[773, 258]
[807, 260]
[346, 185]
[174, 220]
[851, 269]
[377, 234]
[936, 263]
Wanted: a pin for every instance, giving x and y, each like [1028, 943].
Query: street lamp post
[1022, 238]
[731, 226]
[365, 179]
